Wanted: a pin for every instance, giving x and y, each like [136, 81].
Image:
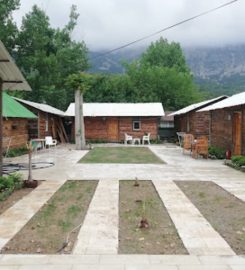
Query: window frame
[136, 121]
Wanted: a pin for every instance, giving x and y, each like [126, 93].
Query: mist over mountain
[218, 70]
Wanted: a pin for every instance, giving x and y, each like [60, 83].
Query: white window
[136, 125]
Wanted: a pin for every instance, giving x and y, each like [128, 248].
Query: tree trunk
[83, 141]
[30, 163]
[79, 122]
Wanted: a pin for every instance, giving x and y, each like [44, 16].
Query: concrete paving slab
[190, 223]
[174, 259]
[204, 267]
[126, 262]
[21, 212]
[99, 233]
[9, 267]
[237, 188]
[151, 267]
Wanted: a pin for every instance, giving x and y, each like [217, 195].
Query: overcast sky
[105, 24]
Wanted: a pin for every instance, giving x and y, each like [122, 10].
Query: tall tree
[47, 56]
[164, 54]
[8, 29]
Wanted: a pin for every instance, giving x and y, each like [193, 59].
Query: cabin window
[136, 125]
[46, 123]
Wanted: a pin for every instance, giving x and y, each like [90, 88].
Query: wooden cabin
[189, 120]
[227, 123]
[108, 122]
[50, 121]
[15, 123]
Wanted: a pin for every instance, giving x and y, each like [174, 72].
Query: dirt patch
[140, 200]
[13, 198]
[47, 231]
[225, 212]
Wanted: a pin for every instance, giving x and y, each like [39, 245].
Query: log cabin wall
[147, 125]
[15, 129]
[112, 129]
[222, 122]
[43, 125]
[196, 123]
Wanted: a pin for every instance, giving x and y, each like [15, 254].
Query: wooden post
[78, 120]
[30, 161]
[1, 127]
[83, 142]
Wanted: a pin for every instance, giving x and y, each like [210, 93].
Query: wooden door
[237, 126]
[112, 129]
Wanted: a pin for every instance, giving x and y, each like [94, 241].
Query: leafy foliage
[238, 161]
[15, 152]
[160, 75]
[48, 56]
[8, 29]
[217, 152]
[8, 184]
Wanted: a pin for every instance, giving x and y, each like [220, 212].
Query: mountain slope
[219, 70]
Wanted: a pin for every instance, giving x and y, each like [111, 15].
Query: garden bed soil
[13, 198]
[161, 237]
[137, 155]
[225, 212]
[47, 231]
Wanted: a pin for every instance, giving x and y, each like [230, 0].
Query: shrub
[8, 184]
[238, 161]
[15, 152]
[218, 152]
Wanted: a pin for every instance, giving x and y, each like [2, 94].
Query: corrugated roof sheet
[118, 109]
[42, 107]
[12, 108]
[10, 73]
[235, 100]
[198, 105]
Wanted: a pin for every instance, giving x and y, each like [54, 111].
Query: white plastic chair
[128, 138]
[146, 138]
[49, 141]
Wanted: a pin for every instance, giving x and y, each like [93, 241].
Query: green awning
[12, 108]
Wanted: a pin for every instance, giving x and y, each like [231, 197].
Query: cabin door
[112, 129]
[237, 125]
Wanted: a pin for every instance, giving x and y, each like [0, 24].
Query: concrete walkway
[13, 219]
[120, 262]
[237, 188]
[99, 233]
[197, 234]
[177, 167]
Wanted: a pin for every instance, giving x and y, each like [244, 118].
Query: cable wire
[165, 29]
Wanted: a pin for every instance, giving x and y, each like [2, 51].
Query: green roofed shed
[12, 108]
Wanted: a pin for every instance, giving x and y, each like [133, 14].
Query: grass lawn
[139, 155]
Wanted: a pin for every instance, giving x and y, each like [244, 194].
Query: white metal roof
[235, 100]
[41, 107]
[10, 73]
[197, 105]
[118, 109]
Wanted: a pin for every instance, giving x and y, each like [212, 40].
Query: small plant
[144, 224]
[8, 184]
[136, 182]
[238, 161]
[216, 152]
[15, 152]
